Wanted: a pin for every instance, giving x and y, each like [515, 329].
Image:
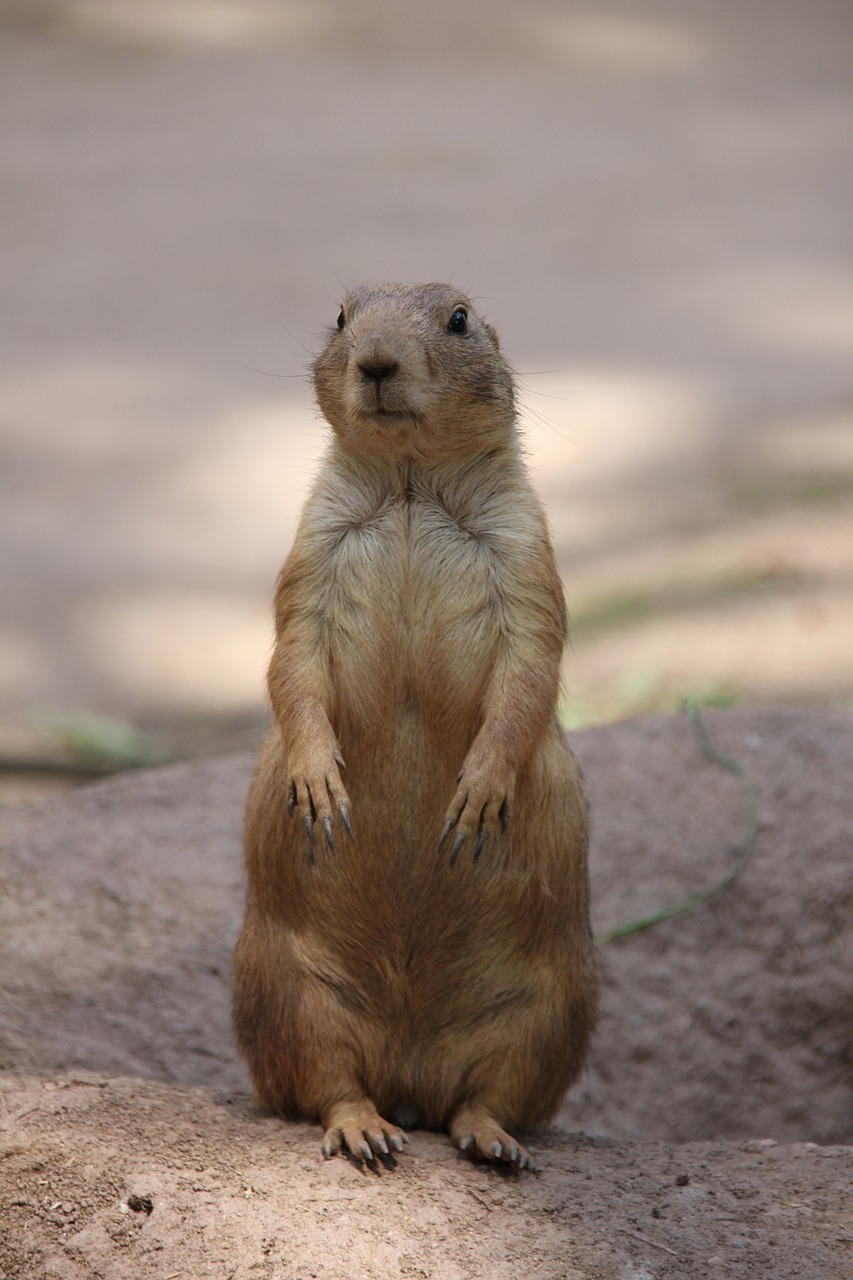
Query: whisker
[296, 340]
[267, 373]
[543, 423]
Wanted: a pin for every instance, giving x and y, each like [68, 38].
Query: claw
[448, 827]
[457, 845]
[308, 823]
[339, 760]
[331, 1146]
[346, 822]
[327, 828]
[504, 815]
[291, 799]
[481, 840]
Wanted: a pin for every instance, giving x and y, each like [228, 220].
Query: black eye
[341, 319]
[458, 322]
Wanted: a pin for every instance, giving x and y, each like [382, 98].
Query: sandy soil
[710, 1136]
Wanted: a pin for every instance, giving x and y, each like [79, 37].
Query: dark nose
[377, 370]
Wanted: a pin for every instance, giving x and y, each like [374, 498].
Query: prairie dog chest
[414, 604]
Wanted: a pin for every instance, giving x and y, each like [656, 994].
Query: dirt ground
[710, 1136]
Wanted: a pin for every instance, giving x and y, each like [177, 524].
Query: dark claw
[481, 840]
[309, 827]
[291, 799]
[504, 816]
[457, 845]
[327, 827]
[339, 761]
[448, 827]
[346, 822]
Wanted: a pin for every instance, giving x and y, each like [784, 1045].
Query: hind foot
[357, 1127]
[476, 1133]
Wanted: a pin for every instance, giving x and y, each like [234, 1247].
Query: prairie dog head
[413, 371]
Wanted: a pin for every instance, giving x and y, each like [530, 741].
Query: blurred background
[652, 200]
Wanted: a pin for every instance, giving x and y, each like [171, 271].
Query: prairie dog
[416, 946]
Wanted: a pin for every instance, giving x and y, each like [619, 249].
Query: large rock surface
[723, 1054]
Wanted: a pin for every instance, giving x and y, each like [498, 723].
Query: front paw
[316, 793]
[480, 808]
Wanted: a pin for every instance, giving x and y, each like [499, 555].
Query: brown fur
[420, 624]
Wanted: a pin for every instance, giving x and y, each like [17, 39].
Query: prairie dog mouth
[386, 416]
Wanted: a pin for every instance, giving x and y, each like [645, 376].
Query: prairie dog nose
[377, 368]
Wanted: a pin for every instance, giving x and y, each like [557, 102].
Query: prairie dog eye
[458, 322]
[341, 318]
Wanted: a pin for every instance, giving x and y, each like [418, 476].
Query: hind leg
[518, 1066]
[309, 1054]
[475, 1131]
[497, 1100]
[333, 1091]
[356, 1126]
[307, 1065]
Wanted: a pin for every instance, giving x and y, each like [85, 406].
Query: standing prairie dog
[416, 946]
